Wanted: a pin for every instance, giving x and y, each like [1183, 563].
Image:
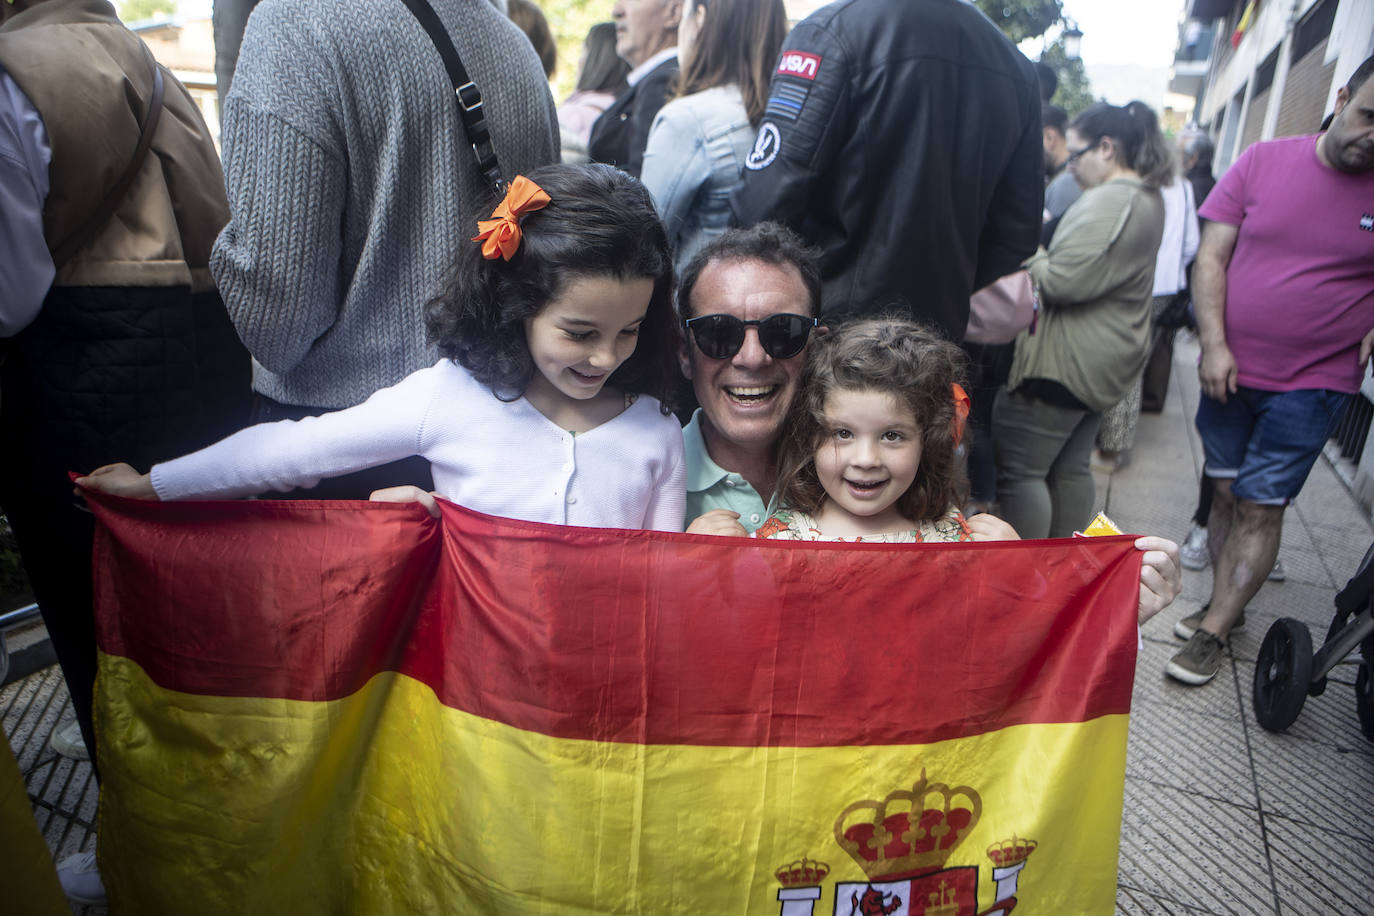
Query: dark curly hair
[889, 354]
[600, 222]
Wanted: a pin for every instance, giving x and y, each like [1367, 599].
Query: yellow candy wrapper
[1100, 527]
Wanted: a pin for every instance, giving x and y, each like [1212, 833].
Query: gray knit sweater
[351, 184]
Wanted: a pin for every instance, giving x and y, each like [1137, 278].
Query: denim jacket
[692, 163]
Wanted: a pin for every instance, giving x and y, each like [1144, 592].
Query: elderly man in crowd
[646, 39]
[766, 273]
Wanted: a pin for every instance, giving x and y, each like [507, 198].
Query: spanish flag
[353, 708]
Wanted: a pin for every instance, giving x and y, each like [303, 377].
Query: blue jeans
[1265, 442]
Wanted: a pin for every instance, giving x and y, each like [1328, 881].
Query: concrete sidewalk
[1220, 816]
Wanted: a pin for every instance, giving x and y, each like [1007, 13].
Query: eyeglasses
[1078, 154]
[721, 336]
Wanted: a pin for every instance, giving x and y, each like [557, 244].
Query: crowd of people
[775, 234]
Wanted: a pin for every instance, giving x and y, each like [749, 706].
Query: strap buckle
[474, 95]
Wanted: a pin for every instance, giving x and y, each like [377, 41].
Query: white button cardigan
[499, 457]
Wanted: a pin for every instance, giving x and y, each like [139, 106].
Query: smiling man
[751, 299]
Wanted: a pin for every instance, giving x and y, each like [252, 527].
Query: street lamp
[1072, 38]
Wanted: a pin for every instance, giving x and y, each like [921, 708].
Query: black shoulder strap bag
[465, 93]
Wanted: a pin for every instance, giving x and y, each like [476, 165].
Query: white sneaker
[80, 879]
[1193, 551]
[66, 740]
[1277, 574]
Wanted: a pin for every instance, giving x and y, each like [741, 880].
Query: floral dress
[795, 525]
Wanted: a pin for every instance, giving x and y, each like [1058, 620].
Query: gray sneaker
[66, 740]
[1193, 551]
[1199, 661]
[1276, 574]
[1185, 627]
[79, 876]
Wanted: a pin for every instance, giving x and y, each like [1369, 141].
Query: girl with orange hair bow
[550, 403]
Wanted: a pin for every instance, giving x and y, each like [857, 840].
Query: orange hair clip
[962, 402]
[500, 235]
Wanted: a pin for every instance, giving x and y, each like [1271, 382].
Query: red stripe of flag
[617, 635]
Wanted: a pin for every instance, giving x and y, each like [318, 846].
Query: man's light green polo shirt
[709, 486]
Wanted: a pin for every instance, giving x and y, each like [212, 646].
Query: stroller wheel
[1364, 700]
[1283, 673]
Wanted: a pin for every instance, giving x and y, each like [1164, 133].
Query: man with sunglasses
[749, 302]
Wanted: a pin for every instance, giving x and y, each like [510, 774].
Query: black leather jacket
[903, 138]
[619, 136]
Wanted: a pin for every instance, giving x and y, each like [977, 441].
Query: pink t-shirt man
[1300, 285]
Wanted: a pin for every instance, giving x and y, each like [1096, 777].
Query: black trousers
[55, 536]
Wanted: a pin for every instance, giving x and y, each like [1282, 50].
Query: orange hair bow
[500, 235]
[961, 408]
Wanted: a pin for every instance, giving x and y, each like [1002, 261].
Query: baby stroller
[1287, 672]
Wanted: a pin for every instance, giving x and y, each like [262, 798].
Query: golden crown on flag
[802, 873]
[908, 833]
[1006, 853]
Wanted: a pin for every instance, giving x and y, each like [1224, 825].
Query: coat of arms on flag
[352, 708]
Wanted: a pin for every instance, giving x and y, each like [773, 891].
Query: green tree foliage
[138, 10]
[1022, 19]
[1074, 92]
[569, 21]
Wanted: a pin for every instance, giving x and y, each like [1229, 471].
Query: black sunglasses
[721, 336]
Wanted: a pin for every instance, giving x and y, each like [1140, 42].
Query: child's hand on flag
[119, 480]
[406, 494]
[720, 522]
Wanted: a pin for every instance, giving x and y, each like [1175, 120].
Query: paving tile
[59, 776]
[1204, 854]
[1317, 870]
[1325, 500]
[89, 805]
[81, 777]
[1132, 901]
[1316, 783]
[1208, 757]
[1301, 559]
[1154, 689]
[1341, 549]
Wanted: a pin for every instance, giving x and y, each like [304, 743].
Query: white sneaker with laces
[79, 876]
[1193, 551]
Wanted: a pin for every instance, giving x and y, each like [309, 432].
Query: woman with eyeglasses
[1090, 342]
[699, 140]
